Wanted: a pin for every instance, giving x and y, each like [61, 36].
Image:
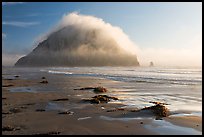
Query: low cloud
[10, 59]
[190, 56]
[171, 57]
[83, 40]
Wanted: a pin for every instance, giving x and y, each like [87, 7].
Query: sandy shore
[30, 112]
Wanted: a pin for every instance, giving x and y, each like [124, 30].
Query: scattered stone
[83, 118]
[120, 109]
[154, 102]
[61, 99]
[43, 78]
[6, 113]
[15, 110]
[8, 79]
[49, 133]
[114, 98]
[86, 88]
[16, 76]
[159, 110]
[100, 99]
[100, 89]
[28, 104]
[141, 122]
[116, 109]
[95, 89]
[23, 107]
[3, 98]
[9, 85]
[67, 112]
[105, 96]
[17, 128]
[134, 110]
[111, 110]
[44, 82]
[40, 110]
[158, 118]
[10, 128]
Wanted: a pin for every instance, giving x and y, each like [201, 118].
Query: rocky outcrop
[71, 46]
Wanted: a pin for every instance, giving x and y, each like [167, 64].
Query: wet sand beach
[32, 107]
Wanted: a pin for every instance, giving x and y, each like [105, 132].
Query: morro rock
[79, 43]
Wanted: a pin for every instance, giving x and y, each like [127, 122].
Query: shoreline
[36, 112]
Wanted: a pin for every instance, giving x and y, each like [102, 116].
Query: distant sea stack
[82, 41]
[151, 64]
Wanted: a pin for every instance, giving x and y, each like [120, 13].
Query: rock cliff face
[82, 44]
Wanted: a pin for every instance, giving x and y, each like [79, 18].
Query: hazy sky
[169, 34]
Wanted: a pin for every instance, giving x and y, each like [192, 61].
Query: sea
[180, 88]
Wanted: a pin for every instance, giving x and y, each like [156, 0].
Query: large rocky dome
[81, 44]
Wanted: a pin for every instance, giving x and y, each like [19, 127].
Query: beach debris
[86, 88]
[134, 110]
[9, 85]
[44, 81]
[10, 128]
[40, 110]
[120, 109]
[8, 79]
[100, 99]
[158, 118]
[6, 113]
[67, 112]
[83, 118]
[111, 110]
[49, 133]
[116, 109]
[29, 104]
[16, 76]
[158, 109]
[99, 89]
[23, 107]
[141, 122]
[154, 102]
[61, 99]
[15, 110]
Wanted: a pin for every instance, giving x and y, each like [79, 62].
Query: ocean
[181, 88]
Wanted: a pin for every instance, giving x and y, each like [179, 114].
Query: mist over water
[80, 40]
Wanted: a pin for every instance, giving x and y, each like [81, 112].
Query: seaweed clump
[100, 99]
[95, 89]
[158, 109]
